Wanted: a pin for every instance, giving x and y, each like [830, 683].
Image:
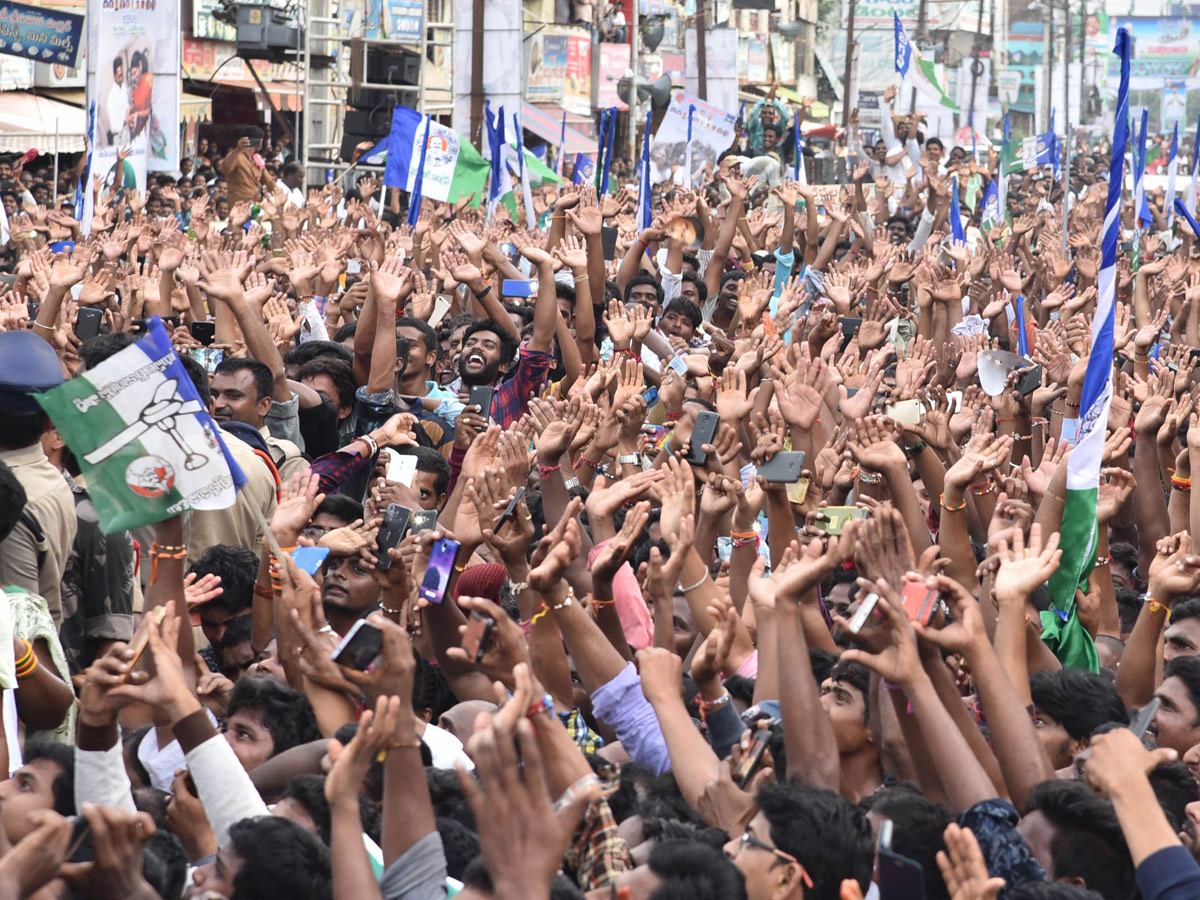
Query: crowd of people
[726, 561]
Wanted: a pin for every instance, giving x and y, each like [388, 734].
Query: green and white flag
[918, 72]
[453, 168]
[1036, 150]
[145, 442]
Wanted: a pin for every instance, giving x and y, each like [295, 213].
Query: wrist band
[264, 591]
[697, 584]
[546, 703]
[1156, 607]
[961, 506]
[546, 470]
[1181, 484]
[1103, 561]
[539, 615]
[869, 478]
[483, 293]
[164, 551]
[37, 324]
[981, 490]
[25, 657]
[372, 444]
[586, 461]
[707, 706]
[739, 542]
[1054, 496]
[916, 449]
[567, 602]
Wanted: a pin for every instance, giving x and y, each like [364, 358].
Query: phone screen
[437, 573]
[358, 649]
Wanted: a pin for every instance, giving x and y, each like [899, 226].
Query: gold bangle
[1054, 496]
[961, 506]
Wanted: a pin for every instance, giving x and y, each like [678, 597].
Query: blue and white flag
[453, 168]
[990, 217]
[1002, 198]
[414, 199]
[1172, 171]
[499, 183]
[687, 150]
[608, 149]
[562, 146]
[916, 71]
[956, 226]
[584, 170]
[604, 117]
[1140, 204]
[526, 190]
[1061, 629]
[645, 214]
[1191, 191]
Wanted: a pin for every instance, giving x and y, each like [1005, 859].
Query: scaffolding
[334, 32]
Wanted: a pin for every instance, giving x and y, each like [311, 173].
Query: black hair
[118, 64]
[900, 220]
[508, 343]
[138, 59]
[309, 350]
[308, 791]
[524, 313]
[23, 428]
[63, 756]
[1175, 787]
[165, 864]
[1079, 701]
[429, 460]
[1124, 554]
[340, 506]
[153, 802]
[638, 280]
[822, 662]
[339, 373]
[475, 875]
[734, 275]
[431, 339]
[701, 287]
[692, 870]
[773, 126]
[687, 309]
[292, 168]
[460, 321]
[657, 829]
[253, 132]
[238, 569]
[279, 859]
[828, 834]
[12, 500]
[857, 676]
[1050, 890]
[1188, 609]
[1088, 843]
[264, 379]
[286, 713]
[345, 332]
[937, 141]
[460, 844]
[1129, 605]
[920, 824]
[1187, 670]
[199, 377]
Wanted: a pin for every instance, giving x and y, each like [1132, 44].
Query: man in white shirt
[293, 183]
[116, 105]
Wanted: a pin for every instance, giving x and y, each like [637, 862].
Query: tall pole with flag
[608, 149]
[798, 168]
[1061, 629]
[687, 151]
[957, 232]
[526, 190]
[562, 146]
[1191, 191]
[645, 189]
[600, 163]
[414, 199]
[1003, 176]
[1172, 171]
[1140, 205]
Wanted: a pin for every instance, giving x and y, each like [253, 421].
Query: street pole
[1066, 170]
[1067, 60]
[477, 37]
[1047, 63]
[633, 80]
[921, 39]
[975, 66]
[701, 50]
[848, 71]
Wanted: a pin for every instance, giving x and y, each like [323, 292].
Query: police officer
[34, 554]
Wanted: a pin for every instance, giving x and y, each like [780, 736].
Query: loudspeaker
[373, 64]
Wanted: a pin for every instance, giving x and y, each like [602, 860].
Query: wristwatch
[631, 459]
[571, 483]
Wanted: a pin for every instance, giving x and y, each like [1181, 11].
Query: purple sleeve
[625, 708]
[1169, 874]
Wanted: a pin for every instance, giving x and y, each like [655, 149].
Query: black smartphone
[358, 649]
[509, 510]
[752, 758]
[703, 433]
[171, 322]
[423, 520]
[608, 241]
[391, 533]
[437, 573]
[784, 467]
[899, 878]
[1029, 381]
[204, 332]
[475, 638]
[481, 396]
[849, 326]
[87, 323]
[80, 830]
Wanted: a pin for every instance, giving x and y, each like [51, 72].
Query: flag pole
[1066, 168]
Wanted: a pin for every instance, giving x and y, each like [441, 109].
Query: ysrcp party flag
[918, 72]
[453, 168]
[1034, 151]
[584, 171]
[146, 444]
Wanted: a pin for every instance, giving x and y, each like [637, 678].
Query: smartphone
[422, 520]
[608, 242]
[87, 323]
[353, 266]
[475, 638]
[784, 467]
[849, 326]
[516, 287]
[204, 332]
[141, 640]
[703, 433]
[899, 878]
[921, 604]
[401, 466]
[437, 573]
[80, 829]
[836, 517]
[441, 306]
[1029, 381]
[358, 649]
[391, 532]
[651, 396]
[906, 412]
[171, 322]
[209, 357]
[797, 491]
[481, 396]
[863, 613]
[506, 516]
[752, 758]
[310, 559]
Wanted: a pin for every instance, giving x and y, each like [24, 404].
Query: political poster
[577, 90]
[40, 34]
[712, 133]
[547, 66]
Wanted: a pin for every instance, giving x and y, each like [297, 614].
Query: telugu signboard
[39, 33]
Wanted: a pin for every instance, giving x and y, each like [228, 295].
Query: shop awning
[546, 123]
[193, 106]
[283, 93]
[28, 120]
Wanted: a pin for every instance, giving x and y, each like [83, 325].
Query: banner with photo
[712, 133]
[134, 79]
[546, 63]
